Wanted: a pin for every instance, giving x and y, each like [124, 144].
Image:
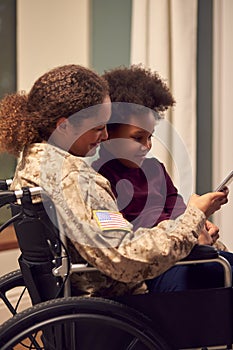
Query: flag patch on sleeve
[110, 220]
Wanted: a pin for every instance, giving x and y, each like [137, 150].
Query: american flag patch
[110, 220]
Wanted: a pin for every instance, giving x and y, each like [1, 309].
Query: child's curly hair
[61, 92]
[138, 86]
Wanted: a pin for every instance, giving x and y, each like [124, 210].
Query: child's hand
[209, 202]
[209, 234]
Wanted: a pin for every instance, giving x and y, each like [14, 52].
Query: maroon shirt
[146, 195]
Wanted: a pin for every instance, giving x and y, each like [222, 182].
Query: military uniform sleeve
[122, 254]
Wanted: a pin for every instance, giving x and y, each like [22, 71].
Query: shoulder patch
[111, 220]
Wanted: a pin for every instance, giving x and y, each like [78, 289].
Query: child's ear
[61, 124]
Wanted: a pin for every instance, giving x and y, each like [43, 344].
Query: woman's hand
[209, 202]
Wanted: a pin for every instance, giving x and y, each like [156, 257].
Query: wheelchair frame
[150, 308]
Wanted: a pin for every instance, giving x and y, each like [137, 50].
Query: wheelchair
[57, 320]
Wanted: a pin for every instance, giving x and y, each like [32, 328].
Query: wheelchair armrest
[202, 252]
[5, 184]
[7, 197]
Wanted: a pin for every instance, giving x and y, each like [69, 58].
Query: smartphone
[225, 183]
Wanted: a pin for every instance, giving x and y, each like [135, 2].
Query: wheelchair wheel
[81, 324]
[13, 292]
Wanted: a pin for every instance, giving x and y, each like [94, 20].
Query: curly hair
[61, 92]
[138, 86]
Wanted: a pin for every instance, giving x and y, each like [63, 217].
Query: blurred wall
[7, 76]
[50, 33]
[110, 38]
[222, 110]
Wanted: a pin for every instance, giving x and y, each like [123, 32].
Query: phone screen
[225, 183]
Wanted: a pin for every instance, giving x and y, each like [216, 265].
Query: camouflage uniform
[124, 258]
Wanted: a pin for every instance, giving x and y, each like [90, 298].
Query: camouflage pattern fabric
[124, 258]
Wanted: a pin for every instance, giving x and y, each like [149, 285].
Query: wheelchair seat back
[40, 246]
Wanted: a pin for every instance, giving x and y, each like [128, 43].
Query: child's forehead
[145, 120]
[135, 126]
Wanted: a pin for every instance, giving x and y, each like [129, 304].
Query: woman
[61, 120]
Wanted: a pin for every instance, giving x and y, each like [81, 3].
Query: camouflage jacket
[88, 216]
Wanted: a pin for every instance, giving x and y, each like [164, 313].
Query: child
[145, 192]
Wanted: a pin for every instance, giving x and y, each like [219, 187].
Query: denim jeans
[184, 277]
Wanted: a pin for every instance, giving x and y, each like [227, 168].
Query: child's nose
[104, 134]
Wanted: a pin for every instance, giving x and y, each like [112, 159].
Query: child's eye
[101, 128]
[137, 139]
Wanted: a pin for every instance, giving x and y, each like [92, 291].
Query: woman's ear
[61, 125]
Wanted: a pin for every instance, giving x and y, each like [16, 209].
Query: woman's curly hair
[140, 87]
[61, 92]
